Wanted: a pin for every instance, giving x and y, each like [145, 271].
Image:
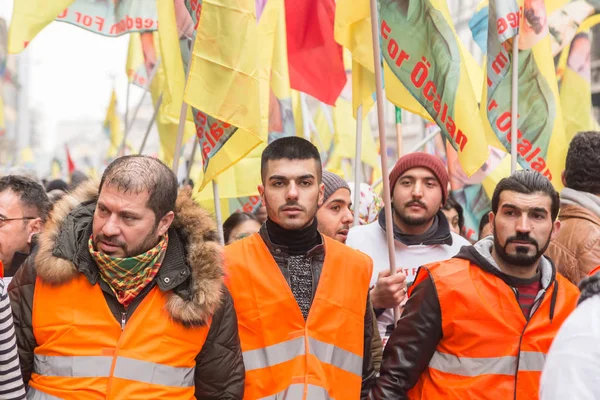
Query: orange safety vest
[83, 352]
[284, 355]
[488, 349]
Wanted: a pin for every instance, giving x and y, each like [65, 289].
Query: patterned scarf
[127, 277]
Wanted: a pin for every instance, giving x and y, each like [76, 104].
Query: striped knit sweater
[11, 382]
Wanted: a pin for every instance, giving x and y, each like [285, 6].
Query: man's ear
[492, 217]
[165, 223]
[35, 227]
[321, 194]
[555, 229]
[261, 193]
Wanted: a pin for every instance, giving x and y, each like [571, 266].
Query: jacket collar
[588, 203]
[281, 253]
[192, 271]
[481, 254]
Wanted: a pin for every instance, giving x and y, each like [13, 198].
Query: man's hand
[389, 291]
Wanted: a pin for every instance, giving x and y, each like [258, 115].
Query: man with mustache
[124, 296]
[419, 187]
[302, 299]
[479, 326]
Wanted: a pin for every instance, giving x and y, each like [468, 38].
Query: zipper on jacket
[521, 342]
[123, 319]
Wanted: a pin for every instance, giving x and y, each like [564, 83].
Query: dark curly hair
[583, 163]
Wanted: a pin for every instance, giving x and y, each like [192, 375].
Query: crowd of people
[121, 288]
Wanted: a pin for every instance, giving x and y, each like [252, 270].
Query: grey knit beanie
[332, 183]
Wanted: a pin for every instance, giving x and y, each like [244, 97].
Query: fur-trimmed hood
[63, 239]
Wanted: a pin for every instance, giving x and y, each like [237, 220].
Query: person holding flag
[479, 326]
[419, 188]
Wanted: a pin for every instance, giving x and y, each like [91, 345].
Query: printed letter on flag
[542, 143]
[228, 84]
[422, 51]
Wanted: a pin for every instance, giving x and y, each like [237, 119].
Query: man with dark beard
[419, 187]
[479, 326]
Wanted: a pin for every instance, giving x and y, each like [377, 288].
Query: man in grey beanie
[334, 217]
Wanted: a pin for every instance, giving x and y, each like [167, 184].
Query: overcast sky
[73, 72]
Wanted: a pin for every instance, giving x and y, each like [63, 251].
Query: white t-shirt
[372, 240]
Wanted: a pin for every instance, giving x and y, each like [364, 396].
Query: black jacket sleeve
[219, 366]
[20, 291]
[412, 344]
[369, 373]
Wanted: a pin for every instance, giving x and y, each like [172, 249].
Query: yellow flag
[27, 157]
[138, 63]
[112, 126]
[171, 61]
[341, 143]
[29, 18]
[422, 53]
[134, 67]
[229, 80]
[353, 31]
[281, 115]
[574, 70]
[55, 169]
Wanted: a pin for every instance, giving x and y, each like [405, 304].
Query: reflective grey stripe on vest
[336, 356]
[75, 366]
[125, 368]
[286, 351]
[152, 373]
[296, 392]
[274, 354]
[34, 394]
[471, 366]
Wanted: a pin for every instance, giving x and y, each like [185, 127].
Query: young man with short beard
[479, 326]
[302, 299]
[124, 296]
[419, 187]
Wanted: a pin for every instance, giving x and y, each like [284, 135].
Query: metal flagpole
[514, 106]
[195, 146]
[218, 216]
[154, 114]
[137, 108]
[389, 228]
[357, 164]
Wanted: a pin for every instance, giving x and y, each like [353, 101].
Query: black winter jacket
[191, 274]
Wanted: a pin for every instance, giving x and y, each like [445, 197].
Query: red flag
[70, 163]
[316, 61]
